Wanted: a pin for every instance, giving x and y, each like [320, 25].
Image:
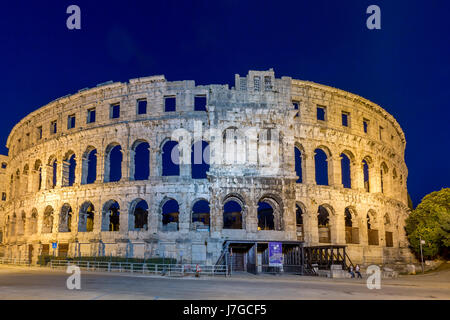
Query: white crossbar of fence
[144, 268]
[14, 261]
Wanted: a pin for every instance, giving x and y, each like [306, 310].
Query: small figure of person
[350, 270]
[357, 270]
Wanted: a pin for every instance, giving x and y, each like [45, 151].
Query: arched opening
[89, 172]
[113, 163]
[170, 159]
[25, 179]
[200, 215]
[372, 232]
[138, 220]
[348, 219]
[69, 167]
[17, 186]
[199, 160]
[351, 229]
[86, 217]
[234, 146]
[383, 177]
[11, 186]
[389, 235]
[8, 227]
[65, 218]
[232, 215]
[298, 164]
[141, 160]
[54, 168]
[72, 167]
[321, 167]
[365, 166]
[47, 222]
[346, 171]
[21, 224]
[323, 219]
[111, 216]
[33, 224]
[394, 184]
[37, 181]
[299, 221]
[269, 140]
[12, 225]
[265, 216]
[170, 215]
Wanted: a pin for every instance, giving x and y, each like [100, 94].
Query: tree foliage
[430, 221]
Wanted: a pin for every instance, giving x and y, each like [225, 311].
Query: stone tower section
[255, 128]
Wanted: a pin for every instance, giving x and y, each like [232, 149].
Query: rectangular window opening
[366, 125]
[114, 112]
[267, 83]
[142, 106]
[200, 103]
[53, 127]
[91, 115]
[243, 84]
[296, 106]
[321, 113]
[345, 119]
[257, 83]
[39, 132]
[71, 121]
[170, 104]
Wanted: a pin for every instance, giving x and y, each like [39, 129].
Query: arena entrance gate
[253, 256]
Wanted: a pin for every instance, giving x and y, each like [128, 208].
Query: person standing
[350, 270]
[357, 270]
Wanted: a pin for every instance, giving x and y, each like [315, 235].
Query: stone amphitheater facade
[44, 201]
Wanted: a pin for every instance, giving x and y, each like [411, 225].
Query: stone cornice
[355, 98]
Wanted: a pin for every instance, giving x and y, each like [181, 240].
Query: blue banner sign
[275, 254]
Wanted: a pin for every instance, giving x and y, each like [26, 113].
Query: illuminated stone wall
[259, 110]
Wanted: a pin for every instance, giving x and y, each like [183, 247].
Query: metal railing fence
[13, 261]
[143, 268]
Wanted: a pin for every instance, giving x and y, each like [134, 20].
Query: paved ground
[42, 283]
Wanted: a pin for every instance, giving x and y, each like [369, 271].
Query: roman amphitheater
[152, 168]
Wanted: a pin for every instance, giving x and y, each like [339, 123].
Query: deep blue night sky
[404, 67]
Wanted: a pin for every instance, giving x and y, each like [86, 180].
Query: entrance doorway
[45, 249]
[253, 257]
[30, 253]
[238, 261]
[63, 249]
[238, 255]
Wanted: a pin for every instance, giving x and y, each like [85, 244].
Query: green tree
[430, 221]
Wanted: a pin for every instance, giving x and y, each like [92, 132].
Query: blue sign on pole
[275, 254]
[54, 245]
